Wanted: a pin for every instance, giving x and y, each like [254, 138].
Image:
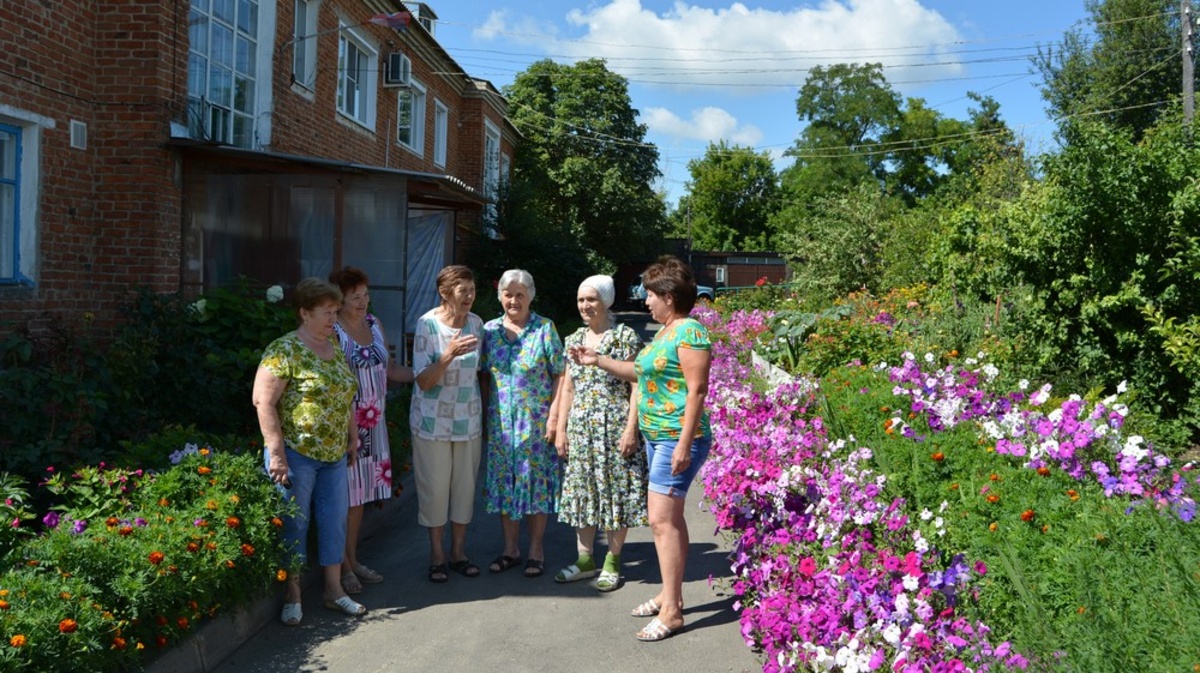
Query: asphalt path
[505, 622]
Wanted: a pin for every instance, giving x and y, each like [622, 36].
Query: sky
[703, 71]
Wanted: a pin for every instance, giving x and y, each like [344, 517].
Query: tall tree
[731, 195]
[585, 160]
[1120, 67]
[848, 110]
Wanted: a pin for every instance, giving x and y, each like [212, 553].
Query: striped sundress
[370, 478]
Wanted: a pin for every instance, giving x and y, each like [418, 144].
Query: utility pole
[1189, 62]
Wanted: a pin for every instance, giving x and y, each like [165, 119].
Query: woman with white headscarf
[604, 483]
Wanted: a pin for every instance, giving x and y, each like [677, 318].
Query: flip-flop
[347, 605]
[465, 568]
[291, 614]
[647, 609]
[656, 631]
[503, 562]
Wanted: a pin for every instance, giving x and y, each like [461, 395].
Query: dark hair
[670, 277]
[452, 275]
[348, 277]
[312, 292]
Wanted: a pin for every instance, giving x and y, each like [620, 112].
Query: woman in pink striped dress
[360, 336]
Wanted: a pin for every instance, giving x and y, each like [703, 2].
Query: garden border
[206, 649]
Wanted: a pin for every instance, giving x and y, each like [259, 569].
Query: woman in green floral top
[303, 393]
[672, 382]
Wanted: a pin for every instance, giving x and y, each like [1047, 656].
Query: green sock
[585, 562]
[612, 563]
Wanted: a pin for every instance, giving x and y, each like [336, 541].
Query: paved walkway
[507, 623]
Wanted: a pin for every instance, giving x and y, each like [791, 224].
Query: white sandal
[291, 614]
[347, 605]
[608, 580]
[574, 573]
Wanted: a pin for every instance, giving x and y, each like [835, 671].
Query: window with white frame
[410, 117]
[304, 43]
[357, 75]
[491, 159]
[441, 132]
[222, 70]
[20, 141]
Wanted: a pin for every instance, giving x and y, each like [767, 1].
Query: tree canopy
[731, 195]
[583, 160]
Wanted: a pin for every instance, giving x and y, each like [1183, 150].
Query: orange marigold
[4, 605]
[156, 557]
[68, 625]
[203, 469]
[163, 502]
[281, 575]
[247, 549]
[1072, 494]
[993, 498]
[994, 477]
[1043, 471]
[193, 547]
[992, 526]
[118, 643]
[1027, 515]
[161, 641]
[277, 522]
[111, 521]
[125, 531]
[229, 564]
[182, 622]
[938, 456]
[953, 487]
[233, 522]
[17, 641]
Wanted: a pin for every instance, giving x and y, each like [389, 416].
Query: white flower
[274, 294]
[1023, 384]
[198, 306]
[1122, 387]
[990, 371]
[929, 357]
[892, 634]
[926, 515]
[911, 583]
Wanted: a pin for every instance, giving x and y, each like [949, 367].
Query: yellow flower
[669, 407]
[660, 363]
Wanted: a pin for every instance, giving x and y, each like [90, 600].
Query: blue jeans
[321, 492]
[658, 456]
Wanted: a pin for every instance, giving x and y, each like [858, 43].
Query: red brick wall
[108, 216]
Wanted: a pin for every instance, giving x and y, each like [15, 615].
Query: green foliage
[836, 246]
[71, 397]
[731, 195]
[139, 567]
[583, 163]
[1117, 68]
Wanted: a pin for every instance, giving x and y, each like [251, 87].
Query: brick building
[182, 144]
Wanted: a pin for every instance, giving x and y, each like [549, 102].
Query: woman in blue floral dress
[604, 482]
[523, 357]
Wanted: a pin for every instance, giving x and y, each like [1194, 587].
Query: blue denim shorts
[658, 456]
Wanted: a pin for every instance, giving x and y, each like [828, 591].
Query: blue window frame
[10, 204]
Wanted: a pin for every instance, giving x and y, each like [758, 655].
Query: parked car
[637, 293]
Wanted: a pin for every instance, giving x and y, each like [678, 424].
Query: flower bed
[130, 561]
[917, 517]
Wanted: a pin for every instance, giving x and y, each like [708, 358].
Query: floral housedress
[601, 487]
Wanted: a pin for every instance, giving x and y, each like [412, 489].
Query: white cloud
[522, 30]
[709, 124]
[744, 49]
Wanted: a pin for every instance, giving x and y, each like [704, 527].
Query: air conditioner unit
[397, 70]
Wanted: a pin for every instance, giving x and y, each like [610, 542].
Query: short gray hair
[518, 276]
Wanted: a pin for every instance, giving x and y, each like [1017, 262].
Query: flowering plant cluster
[110, 577]
[892, 518]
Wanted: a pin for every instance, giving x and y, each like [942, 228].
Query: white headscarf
[603, 285]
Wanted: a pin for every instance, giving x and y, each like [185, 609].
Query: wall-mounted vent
[397, 70]
[78, 135]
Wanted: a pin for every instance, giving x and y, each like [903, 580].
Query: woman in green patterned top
[672, 382]
[303, 393]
